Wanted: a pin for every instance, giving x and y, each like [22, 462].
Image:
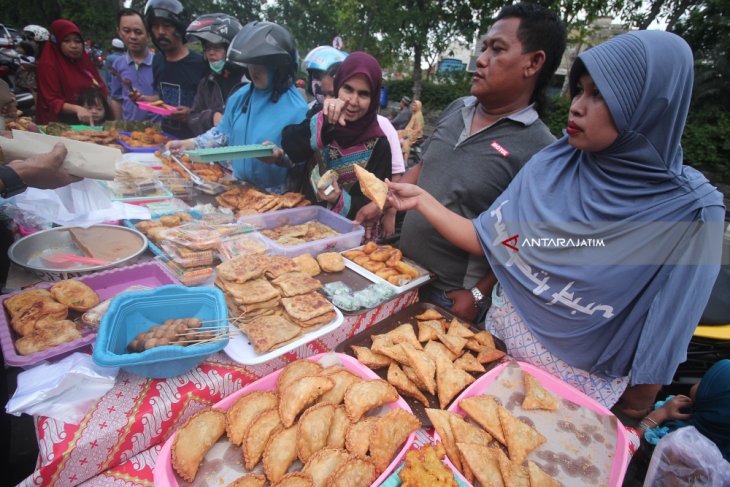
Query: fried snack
[406, 269]
[430, 314]
[374, 266]
[46, 335]
[295, 371]
[424, 467]
[308, 264]
[465, 432]
[342, 379]
[413, 377]
[520, 438]
[404, 334]
[386, 272]
[434, 349]
[357, 440]
[429, 330]
[331, 262]
[381, 254]
[243, 268]
[29, 307]
[356, 472]
[253, 291]
[364, 395]
[306, 306]
[327, 179]
[389, 433]
[483, 462]
[280, 453]
[483, 410]
[372, 187]
[267, 332]
[384, 346]
[317, 321]
[403, 384]
[296, 283]
[242, 413]
[536, 396]
[485, 338]
[194, 439]
[249, 480]
[263, 426]
[324, 463]
[454, 343]
[450, 381]
[144, 226]
[278, 265]
[442, 424]
[338, 428]
[513, 475]
[295, 479]
[371, 359]
[457, 328]
[469, 363]
[300, 394]
[487, 355]
[313, 429]
[538, 478]
[423, 365]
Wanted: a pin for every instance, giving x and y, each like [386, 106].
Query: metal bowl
[27, 252]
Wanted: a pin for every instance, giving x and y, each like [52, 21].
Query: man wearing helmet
[215, 32]
[134, 68]
[176, 69]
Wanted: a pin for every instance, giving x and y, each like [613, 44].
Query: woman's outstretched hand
[334, 111]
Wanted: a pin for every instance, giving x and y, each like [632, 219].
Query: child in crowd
[95, 102]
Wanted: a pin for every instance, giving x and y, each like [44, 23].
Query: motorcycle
[11, 62]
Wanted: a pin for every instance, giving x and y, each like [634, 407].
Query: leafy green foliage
[706, 141]
[433, 96]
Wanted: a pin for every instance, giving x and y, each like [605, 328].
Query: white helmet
[36, 33]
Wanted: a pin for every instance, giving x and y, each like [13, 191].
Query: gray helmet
[169, 10]
[264, 43]
[214, 28]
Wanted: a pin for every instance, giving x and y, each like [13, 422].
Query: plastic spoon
[196, 179]
[60, 259]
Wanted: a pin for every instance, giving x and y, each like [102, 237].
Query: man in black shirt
[176, 70]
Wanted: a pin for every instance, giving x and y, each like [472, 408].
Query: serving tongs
[196, 179]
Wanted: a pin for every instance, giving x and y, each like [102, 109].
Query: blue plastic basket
[135, 312]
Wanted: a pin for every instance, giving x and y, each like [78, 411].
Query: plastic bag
[687, 457]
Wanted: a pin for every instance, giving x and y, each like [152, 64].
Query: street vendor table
[118, 440]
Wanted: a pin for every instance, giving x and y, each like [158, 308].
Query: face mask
[317, 90]
[217, 66]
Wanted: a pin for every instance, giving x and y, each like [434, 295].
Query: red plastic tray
[106, 284]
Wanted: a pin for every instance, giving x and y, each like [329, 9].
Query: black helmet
[214, 28]
[264, 43]
[170, 10]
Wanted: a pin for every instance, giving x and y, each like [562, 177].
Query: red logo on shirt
[496, 146]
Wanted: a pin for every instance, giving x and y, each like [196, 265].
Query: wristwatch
[11, 181]
[478, 296]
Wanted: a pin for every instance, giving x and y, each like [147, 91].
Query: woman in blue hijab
[258, 112]
[605, 245]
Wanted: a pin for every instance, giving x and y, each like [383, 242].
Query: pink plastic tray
[558, 387]
[165, 475]
[106, 284]
[151, 108]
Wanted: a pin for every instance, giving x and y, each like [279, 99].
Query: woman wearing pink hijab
[64, 71]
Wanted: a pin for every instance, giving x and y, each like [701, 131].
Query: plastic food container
[195, 235]
[350, 233]
[106, 284]
[246, 244]
[560, 389]
[150, 148]
[192, 276]
[136, 195]
[165, 475]
[189, 258]
[137, 312]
